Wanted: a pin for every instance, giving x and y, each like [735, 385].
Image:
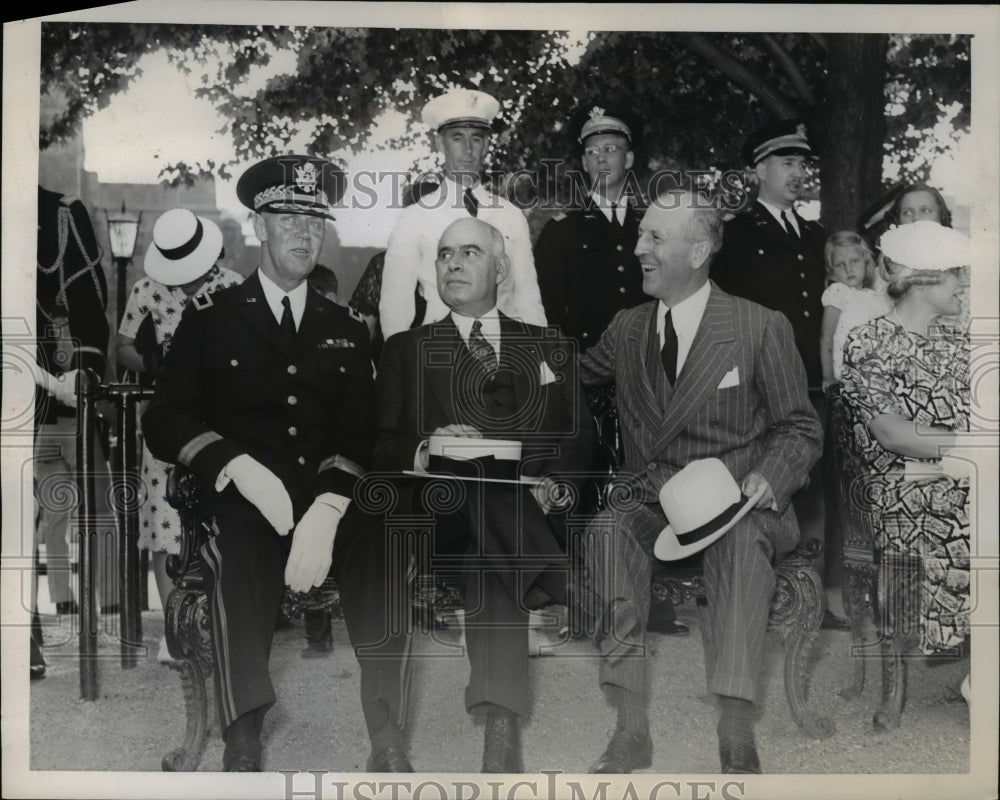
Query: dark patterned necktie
[789, 227]
[482, 350]
[287, 322]
[471, 203]
[668, 355]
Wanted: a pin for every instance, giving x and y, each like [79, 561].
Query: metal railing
[126, 494]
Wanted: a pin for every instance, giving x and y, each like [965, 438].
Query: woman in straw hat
[181, 263]
[906, 381]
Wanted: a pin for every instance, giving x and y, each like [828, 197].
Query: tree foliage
[700, 94]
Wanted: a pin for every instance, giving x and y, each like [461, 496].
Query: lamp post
[123, 228]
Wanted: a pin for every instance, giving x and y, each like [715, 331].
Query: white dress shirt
[621, 205]
[686, 317]
[274, 294]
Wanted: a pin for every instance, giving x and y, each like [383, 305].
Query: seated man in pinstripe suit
[699, 374]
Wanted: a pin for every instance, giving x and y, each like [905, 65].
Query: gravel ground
[317, 722]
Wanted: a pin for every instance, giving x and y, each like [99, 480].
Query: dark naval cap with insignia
[785, 138]
[292, 184]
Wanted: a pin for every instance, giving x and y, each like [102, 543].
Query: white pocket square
[731, 378]
[546, 374]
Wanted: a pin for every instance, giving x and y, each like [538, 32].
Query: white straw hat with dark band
[184, 247]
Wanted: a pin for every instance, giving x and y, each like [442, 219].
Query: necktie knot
[482, 350]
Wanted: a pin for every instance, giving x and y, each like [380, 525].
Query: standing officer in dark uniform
[267, 396]
[769, 253]
[587, 268]
[774, 257]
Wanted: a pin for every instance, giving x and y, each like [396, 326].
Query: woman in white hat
[181, 263]
[906, 382]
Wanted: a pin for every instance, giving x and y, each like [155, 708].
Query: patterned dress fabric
[159, 524]
[889, 370]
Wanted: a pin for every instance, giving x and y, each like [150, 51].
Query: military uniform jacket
[228, 387]
[761, 262]
[588, 271]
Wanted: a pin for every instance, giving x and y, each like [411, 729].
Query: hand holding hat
[702, 503]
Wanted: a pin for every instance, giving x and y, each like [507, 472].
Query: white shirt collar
[776, 213]
[491, 327]
[274, 294]
[686, 317]
[601, 202]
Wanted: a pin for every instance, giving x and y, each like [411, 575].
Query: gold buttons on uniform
[343, 369]
[760, 252]
[621, 268]
[292, 369]
[234, 363]
[805, 313]
[292, 399]
[301, 460]
[292, 431]
[621, 290]
[619, 248]
[799, 257]
[805, 294]
[802, 275]
[584, 247]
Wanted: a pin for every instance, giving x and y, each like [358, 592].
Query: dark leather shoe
[243, 763]
[625, 752]
[390, 758]
[502, 743]
[738, 755]
[669, 628]
[831, 622]
[37, 660]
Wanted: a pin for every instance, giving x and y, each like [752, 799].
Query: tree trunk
[853, 127]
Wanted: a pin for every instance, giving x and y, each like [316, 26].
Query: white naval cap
[467, 107]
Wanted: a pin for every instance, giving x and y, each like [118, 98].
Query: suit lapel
[637, 383]
[521, 358]
[712, 354]
[314, 322]
[440, 353]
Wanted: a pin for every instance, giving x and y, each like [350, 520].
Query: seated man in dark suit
[699, 375]
[478, 374]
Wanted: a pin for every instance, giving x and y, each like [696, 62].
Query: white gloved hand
[312, 547]
[64, 388]
[262, 488]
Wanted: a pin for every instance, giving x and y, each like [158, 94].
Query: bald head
[470, 264]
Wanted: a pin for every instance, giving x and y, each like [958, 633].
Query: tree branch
[741, 76]
[785, 61]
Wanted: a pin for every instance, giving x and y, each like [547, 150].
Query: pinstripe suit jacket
[764, 423]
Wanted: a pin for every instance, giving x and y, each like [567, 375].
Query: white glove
[262, 488]
[312, 547]
[64, 388]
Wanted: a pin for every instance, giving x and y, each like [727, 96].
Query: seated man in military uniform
[267, 396]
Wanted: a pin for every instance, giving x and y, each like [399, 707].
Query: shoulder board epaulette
[202, 301]
[69, 199]
[560, 216]
[355, 314]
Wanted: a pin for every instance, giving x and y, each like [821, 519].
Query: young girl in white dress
[856, 294]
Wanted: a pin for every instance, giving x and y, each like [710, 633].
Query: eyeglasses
[607, 149]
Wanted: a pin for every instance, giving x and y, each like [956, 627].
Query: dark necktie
[668, 355]
[287, 322]
[788, 226]
[471, 203]
[482, 350]
[614, 217]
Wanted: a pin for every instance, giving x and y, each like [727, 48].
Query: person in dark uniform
[585, 257]
[774, 257]
[72, 333]
[587, 267]
[267, 396]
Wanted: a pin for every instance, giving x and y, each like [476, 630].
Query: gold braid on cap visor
[287, 198]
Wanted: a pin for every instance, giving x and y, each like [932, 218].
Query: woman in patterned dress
[906, 381]
[182, 263]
